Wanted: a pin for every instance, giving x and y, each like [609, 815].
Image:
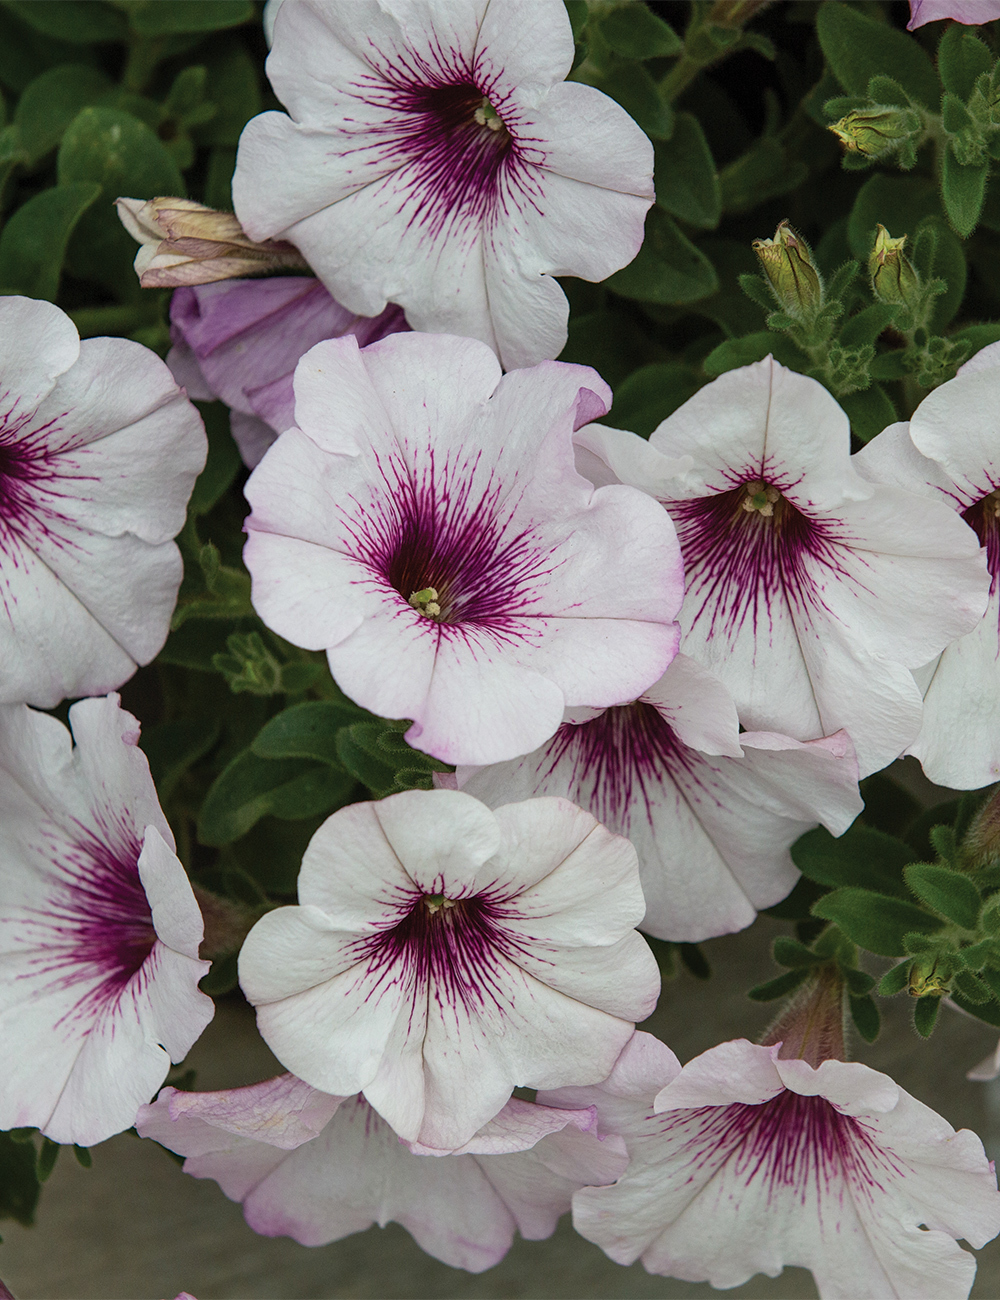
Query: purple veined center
[453, 132]
[984, 519]
[622, 759]
[790, 1142]
[447, 542]
[25, 469]
[450, 950]
[96, 931]
[748, 549]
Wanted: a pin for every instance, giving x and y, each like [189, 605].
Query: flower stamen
[486, 115]
[760, 498]
[437, 902]
[426, 602]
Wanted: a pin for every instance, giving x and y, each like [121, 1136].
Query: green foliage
[859, 47]
[635, 32]
[875, 921]
[668, 268]
[19, 1182]
[251, 787]
[687, 184]
[33, 242]
[377, 754]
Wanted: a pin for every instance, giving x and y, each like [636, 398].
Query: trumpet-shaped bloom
[743, 1162]
[811, 591]
[425, 525]
[442, 954]
[99, 928]
[950, 453]
[971, 12]
[712, 813]
[99, 450]
[435, 157]
[318, 1168]
[242, 339]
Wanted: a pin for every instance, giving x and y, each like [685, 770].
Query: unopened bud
[787, 263]
[878, 131]
[811, 1027]
[894, 277]
[186, 243]
[981, 845]
[930, 976]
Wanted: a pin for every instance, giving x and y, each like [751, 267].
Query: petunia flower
[99, 451]
[811, 592]
[743, 1162]
[712, 813]
[318, 1168]
[442, 954]
[435, 157]
[241, 341]
[971, 12]
[99, 928]
[950, 453]
[425, 525]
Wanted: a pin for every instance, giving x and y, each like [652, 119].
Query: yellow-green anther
[435, 902]
[486, 115]
[426, 602]
[787, 263]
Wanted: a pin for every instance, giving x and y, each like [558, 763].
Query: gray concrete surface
[135, 1227]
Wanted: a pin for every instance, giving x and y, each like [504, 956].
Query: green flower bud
[794, 280]
[878, 131]
[894, 277]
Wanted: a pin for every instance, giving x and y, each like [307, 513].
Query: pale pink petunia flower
[434, 156]
[743, 1162]
[425, 525]
[442, 954]
[811, 591]
[950, 453]
[971, 12]
[99, 927]
[318, 1168]
[712, 812]
[99, 451]
[240, 340]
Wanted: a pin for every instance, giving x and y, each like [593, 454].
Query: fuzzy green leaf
[687, 183]
[861, 856]
[19, 1187]
[778, 987]
[925, 1013]
[306, 730]
[51, 102]
[173, 747]
[635, 32]
[632, 86]
[650, 394]
[223, 462]
[866, 1018]
[33, 242]
[963, 189]
[858, 48]
[80, 22]
[754, 347]
[870, 411]
[789, 952]
[251, 787]
[895, 981]
[946, 891]
[667, 269]
[165, 17]
[875, 921]
[961, 58]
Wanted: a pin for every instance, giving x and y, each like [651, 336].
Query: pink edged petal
[299, 589]
[39, 344]
[987, 358]
[529, 313]
[737, 1071]
[700, 709]
[177, 918]
[806, 780]
[282, 1112]
[516, 1128]
[766, 422]
[605, 455]
[891, 458]
[852, 1087]
[625, 1098]
[441, 837]
[971, 12]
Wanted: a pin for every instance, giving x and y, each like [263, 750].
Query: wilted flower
[187, 243]
[811, 591]
[434, 156]
[99, 451]
[425, 525]
[711, 811]
[744, 1161]
[99, 928]
[317, 1167]
[442, 954]
[241, 341]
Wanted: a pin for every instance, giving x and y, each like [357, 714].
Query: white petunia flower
[442, 954]
[99, 451]
[810, 591]
[743, 1162]
[318, 1168]
[435, 157]
[711, 812]
[99, 928]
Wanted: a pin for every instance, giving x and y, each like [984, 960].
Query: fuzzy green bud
[894, 277]
[878, 131]
[794, 280]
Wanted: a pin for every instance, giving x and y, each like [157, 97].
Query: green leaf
[223, 976]
[866, 325]
[859, 982]
[650, 394]
[667, 269]
[223, 462]
[889, 365]
[963, 189]
[789, 952]
[250, 787]
[48, 1154]
[946, 891]
[165, 17]
[173, 747]
[925, 1012]
[797, 906]
[754, 347]
[579, 13]
[19, 1189]
[883, 90]
[306, 730]
[976, 955]
[83, 1156]
[955, 117]
[234, 88]
[866, 1018]
[778, 987]
[895, 981]
[858, 48]
[961, 58]
[875, 921]
[51, 102]
[196, 644]
[635, 32]
[124, 157]
[870, 411]
[636, 91]
[764, 172]
[219, 178]
[986, 1011]
[972, 989]
[81, 22]
[687, 183]
[695, 961]
[271, 851]
[33, 242]
[862, 857]
[376, 754]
